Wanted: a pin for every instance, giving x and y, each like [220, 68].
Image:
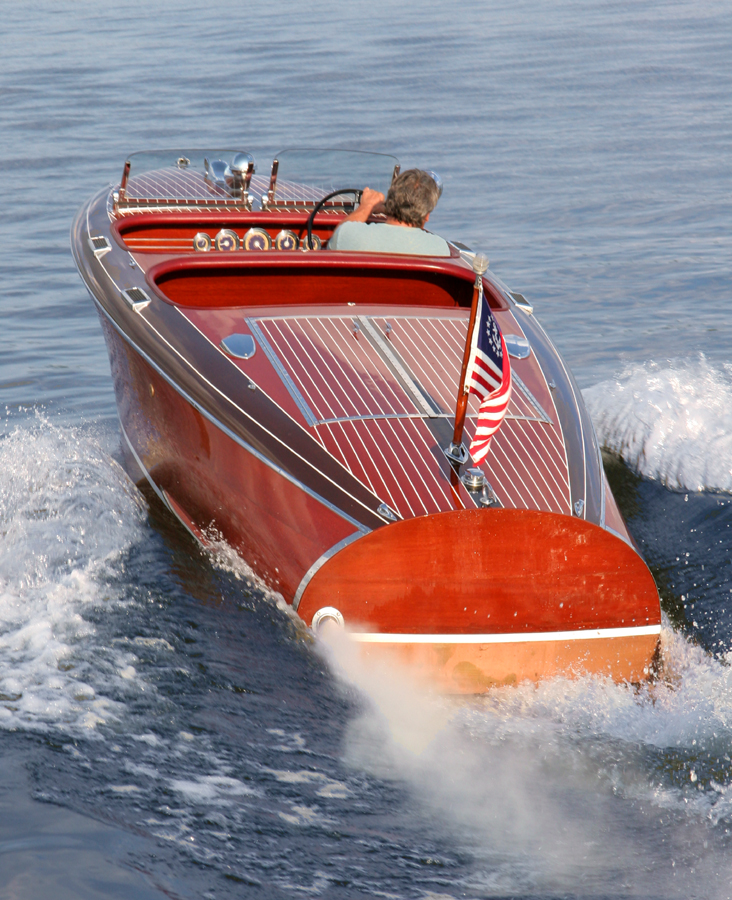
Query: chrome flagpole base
[457, 454]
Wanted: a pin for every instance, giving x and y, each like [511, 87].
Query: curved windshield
[186, 178]
[301, 177]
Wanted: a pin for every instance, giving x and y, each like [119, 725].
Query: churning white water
[671, 421]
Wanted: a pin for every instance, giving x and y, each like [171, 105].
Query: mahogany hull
[521, 595]
[320, 458]
[216, 488]
[475, 668]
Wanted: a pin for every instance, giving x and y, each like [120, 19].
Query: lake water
[166, 730]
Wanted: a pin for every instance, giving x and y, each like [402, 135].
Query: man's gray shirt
[378, 237]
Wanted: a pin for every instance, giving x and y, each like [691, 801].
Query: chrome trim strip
[397, 367]
[185, 525]
[589, 634]
[307, 577]
[282, 372]
[372, 416]
[364, 529]
[617, 534]
[603, 477]
[161, 492]
[158, 491]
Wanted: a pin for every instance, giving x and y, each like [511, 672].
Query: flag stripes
[489, 377]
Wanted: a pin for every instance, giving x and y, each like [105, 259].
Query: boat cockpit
[222, 221]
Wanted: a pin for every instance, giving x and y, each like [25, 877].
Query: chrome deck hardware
[522, 303]
[136, 298]
[473, 479]
[242, 346]
[457, 454]
[386, 512]
[517, 346]
[327, 615]
[99, 246]
[476, 483]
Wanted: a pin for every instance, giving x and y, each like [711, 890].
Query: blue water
[166, 729]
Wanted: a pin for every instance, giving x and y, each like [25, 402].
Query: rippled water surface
[166, 728]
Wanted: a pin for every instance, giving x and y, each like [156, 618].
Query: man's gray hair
[412, 197]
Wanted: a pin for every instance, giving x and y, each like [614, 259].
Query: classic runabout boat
[300, 403]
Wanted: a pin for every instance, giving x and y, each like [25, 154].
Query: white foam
[302, 815]
[335, 790]
[671, 421]
[67, 512]
[555, 784]
[218, 790]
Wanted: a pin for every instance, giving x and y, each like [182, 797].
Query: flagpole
[456, 452]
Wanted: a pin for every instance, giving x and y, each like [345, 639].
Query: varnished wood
[289, 283]
[475, 668]
[233, 451]
[486, 571]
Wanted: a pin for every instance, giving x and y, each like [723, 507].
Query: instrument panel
[260, 239]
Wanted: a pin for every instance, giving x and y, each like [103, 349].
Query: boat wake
[671, 421]
[562, 788]
[67, 514]
[566, 786]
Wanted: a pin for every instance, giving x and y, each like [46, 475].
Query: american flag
[488, 376]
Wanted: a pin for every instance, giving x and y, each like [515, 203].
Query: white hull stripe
[589, 634]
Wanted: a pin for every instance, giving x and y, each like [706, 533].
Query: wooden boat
[297, 402]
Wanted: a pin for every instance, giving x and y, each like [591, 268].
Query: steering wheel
[321, 203]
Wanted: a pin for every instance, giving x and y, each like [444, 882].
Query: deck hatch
[341, 368]
[310, 417]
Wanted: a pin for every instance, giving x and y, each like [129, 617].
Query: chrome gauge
[316, 243]
[227, 239]
[286, 240]
[257, 239]
[202, 242]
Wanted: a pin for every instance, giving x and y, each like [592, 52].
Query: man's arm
[369, 201]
